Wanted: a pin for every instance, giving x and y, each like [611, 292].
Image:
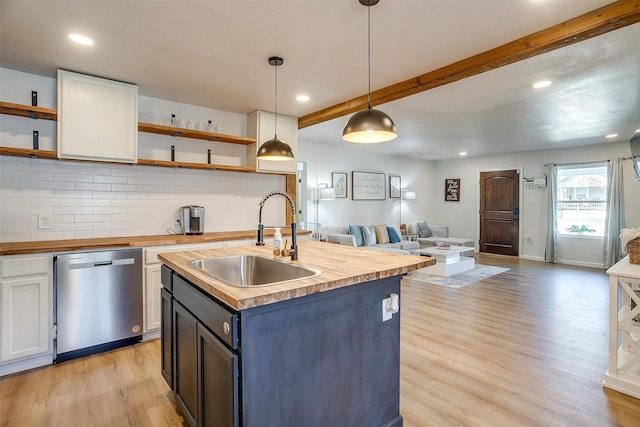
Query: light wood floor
[525, 348]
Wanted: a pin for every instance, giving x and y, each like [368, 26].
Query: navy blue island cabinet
[325, 359]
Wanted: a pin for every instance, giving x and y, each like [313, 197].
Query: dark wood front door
[499, 212]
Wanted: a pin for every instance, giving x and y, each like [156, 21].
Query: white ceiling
[214, 54]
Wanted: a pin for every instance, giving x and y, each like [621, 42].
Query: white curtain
[614, 221]
[550, 254]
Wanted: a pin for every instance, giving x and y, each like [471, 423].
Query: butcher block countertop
[340, 266]
[22, 248]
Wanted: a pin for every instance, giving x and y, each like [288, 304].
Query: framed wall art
[394, 187]
[368, 186]
[452, 190]
[339, 184]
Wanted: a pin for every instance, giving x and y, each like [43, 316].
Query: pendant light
[275, 149]
[370, 125]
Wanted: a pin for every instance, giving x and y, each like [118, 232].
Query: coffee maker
[192, 219]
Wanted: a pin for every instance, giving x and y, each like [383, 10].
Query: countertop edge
[337, 272]
[67, 245]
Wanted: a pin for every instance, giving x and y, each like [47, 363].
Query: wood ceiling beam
[600, 21]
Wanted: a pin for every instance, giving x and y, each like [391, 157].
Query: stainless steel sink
[252, 270]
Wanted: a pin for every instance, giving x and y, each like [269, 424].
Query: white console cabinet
[26, 308]
[623, 374]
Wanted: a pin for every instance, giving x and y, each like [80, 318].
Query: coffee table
[448, 260]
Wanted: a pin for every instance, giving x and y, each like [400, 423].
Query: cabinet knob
[226, 328]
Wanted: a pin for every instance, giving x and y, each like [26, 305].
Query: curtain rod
[581, 163]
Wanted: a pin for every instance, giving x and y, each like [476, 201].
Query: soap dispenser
[277, 243]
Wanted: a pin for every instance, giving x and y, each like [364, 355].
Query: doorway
[500, 212]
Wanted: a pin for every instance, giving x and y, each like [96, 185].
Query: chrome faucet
[293, 252]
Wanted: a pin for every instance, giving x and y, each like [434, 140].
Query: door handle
[516, 212]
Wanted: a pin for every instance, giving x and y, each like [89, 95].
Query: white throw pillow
[369, 235]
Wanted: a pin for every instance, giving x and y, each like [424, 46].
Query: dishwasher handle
[99, 263]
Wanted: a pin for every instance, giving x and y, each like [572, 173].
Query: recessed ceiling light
[302, 98]
[542, 83]
[611, 135]
[81, 39]
[463, 153]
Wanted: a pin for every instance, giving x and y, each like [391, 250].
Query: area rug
[459, 280]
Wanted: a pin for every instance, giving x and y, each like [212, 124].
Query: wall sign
[452, 190]
[368, 186]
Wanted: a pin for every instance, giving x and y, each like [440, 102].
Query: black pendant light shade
[275, 148]
[369, 126]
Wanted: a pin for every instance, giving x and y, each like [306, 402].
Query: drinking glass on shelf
[191, 124]
[218, 128]
[181, 123]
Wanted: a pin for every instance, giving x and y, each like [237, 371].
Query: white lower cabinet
[26, 307]
[152, 284]
[152, 294]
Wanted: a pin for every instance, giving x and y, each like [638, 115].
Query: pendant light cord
[369, 54]
[275, 121]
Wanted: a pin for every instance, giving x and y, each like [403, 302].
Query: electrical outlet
[44, 222]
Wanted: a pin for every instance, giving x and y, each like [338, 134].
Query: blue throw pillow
[356, 231]
[393, 235]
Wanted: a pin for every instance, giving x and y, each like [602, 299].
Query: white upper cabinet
[97, 118]
[261, 125]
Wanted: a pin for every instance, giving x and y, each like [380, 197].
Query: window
[582, 199]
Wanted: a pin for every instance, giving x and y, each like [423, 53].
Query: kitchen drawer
[208, 311]
[26, 266]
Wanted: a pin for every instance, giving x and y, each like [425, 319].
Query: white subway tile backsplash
[72, 194]
[50, 201]
[92, 186]
[110, 179]
[90, 200]
[72, 210]
[72, 226]
[53, 185]
[92, 218]
[110, 210]
[71, 177]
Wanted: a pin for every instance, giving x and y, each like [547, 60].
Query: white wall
[323, 159]
[93, 199]
[463, 219]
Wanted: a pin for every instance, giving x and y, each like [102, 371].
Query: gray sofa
[431, 235]
[382, 239]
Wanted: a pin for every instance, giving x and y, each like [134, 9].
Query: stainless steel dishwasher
[98, 301]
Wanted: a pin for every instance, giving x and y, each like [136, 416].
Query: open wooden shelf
[51, 114]
[27, 152]
[194, 134]
[188, 165]
[28, 111]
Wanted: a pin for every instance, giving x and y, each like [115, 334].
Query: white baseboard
[24, 364]
[532, 258]
[151, 335]
[580, 263]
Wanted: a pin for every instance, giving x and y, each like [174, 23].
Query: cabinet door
[97, 118]
[166, 337]
[185, 361]
[262, 126]
[153, 286]
[25, 317]
[217, 382]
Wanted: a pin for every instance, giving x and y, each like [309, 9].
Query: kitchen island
[312, 352]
